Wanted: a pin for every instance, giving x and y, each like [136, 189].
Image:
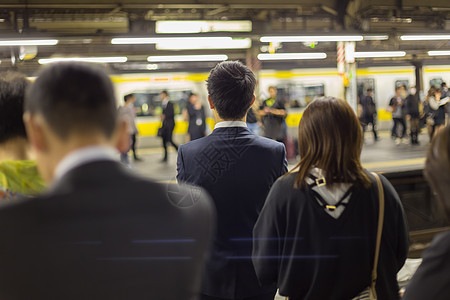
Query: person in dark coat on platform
[412, 107]
[432, 278]
[369, 113]
[237, 168]
[99, 232]
[194, 114]
[168, 123]
[315, 236]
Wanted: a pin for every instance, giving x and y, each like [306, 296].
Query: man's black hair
[12, 93]
[231, 86]
[165, 93]
[74, 97]
[127, 96]
[370, 90]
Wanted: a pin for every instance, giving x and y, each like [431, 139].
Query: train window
[149, 103]
[402, 82]
[299, 95]
[363, 84]
[436, 82]
[313, 91]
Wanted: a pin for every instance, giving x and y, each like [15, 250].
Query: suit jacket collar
[82, 156]
[224, 124]
[231, 130]
[91, 173]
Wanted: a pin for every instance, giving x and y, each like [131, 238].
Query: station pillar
[418, 70]
[254, 64]
[349, 78]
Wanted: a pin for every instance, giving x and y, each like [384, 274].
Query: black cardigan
[311, 255]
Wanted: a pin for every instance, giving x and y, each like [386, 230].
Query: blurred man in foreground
[99, 232]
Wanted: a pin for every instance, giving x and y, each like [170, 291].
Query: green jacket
[19, 177]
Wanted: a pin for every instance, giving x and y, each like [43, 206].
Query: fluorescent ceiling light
[379, 54]
[375, 37]
[28, 42]
[152, 67]
[425, 37]
[171, 58]
[183, 40]
[202, 26]
[306, 38]
[206, 43]
[438, 53]
[290, 56]
[117, 59]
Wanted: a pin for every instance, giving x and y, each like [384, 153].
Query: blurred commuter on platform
[194, 114]
[396, 105]
[168, 123]
[237, 168]
[273, 114]
[18, 174]
[316, 234]
[127, 112]
[432, 278]
[444, 89]
[413, 108]
[253, 123]
[369, 112]
[100, 231]
[436, 110]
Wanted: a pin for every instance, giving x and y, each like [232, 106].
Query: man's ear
[122, 142]
[35, 132]
[211, 105]
[253, 100]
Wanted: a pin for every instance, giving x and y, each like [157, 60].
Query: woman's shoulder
[287, 180]
[285, 185]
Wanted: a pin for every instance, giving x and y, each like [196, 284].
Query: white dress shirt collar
[83, 156]
[225, 124]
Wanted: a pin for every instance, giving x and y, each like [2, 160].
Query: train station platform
[381, 156]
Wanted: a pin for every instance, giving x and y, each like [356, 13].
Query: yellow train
[297, 87]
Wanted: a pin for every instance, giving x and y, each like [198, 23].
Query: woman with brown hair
[316, 234]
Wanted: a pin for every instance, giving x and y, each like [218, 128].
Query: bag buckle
[321, 181]
[330, 207]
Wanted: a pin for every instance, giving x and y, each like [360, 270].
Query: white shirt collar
[83, 156]
[225, 124]
[165, 101]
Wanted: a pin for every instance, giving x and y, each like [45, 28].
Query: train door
[148, 103]
[363, 84]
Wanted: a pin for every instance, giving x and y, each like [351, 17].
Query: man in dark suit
[99, 232]
[237, 168]
[168, 123]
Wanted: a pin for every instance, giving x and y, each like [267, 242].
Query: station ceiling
[85, 28]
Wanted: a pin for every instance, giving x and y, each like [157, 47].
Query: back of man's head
[231, 86]
[128, 97]
[12, 93]
[73, 98]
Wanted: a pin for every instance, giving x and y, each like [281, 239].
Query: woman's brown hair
[330, 138]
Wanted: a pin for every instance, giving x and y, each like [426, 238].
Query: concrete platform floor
[383, 156]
